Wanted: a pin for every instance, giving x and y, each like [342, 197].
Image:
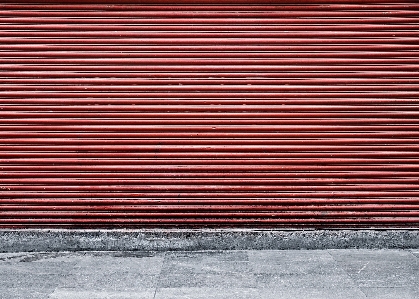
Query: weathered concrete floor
[249, 274]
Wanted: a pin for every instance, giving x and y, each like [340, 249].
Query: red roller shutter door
[301, 114]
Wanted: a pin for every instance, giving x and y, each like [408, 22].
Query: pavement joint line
[347, 273]
[159, 276]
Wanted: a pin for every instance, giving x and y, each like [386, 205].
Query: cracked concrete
[203, 239]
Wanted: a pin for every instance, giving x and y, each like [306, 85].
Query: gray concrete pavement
[293, 274]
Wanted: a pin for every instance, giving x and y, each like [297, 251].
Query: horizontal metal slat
[170, 13]
[125, 35]
[211, 195]
[244, 174]
[299, 203]
[221, 27]
[221, 181]
[220, 20]
[257, 5]
[207, 208]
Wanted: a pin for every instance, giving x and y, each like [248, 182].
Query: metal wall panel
[270, 114]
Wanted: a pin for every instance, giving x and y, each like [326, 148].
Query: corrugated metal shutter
[298, 114]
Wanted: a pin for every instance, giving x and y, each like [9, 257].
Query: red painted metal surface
[302, 113]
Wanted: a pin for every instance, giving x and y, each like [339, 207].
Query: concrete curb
[29, 240]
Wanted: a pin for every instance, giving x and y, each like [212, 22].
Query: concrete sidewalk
[293, 274]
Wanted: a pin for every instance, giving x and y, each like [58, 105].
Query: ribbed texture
[303, 114]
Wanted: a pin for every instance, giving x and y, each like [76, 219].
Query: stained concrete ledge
[29, 240]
